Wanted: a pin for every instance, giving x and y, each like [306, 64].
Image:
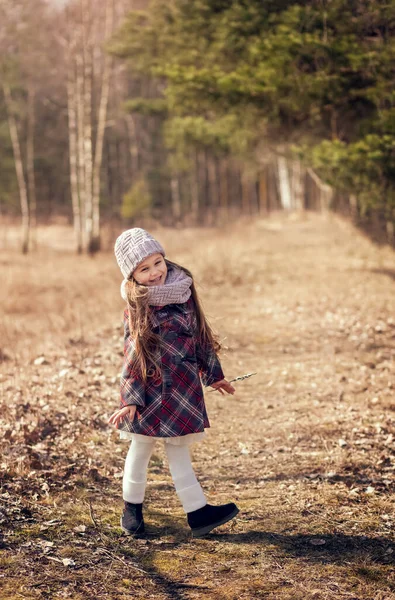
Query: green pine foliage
[148, 107]
[136, 201]
[313, 78]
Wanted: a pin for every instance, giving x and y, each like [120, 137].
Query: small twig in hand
[240, 378]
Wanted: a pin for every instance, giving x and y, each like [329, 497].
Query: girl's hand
[119, 415]
[223, 386]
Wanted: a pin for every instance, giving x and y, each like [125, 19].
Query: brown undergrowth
[305, 447]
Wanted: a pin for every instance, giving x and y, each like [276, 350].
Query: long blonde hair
[146, 340]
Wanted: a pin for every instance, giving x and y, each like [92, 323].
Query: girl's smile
[151, 271]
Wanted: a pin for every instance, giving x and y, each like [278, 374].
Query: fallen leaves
[66, 562]
[307, 450]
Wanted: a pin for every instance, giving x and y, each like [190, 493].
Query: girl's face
[152, 271]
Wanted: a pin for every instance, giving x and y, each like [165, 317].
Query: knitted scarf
[175, 290]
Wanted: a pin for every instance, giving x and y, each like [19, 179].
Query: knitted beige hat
[132, 247]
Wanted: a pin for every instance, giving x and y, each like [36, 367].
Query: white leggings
[187, 486]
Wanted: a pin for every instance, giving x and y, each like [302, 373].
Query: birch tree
[74, 154]
[88, 73]
[31, 179]
[20, 50]
[101, 124]
[284, 182]
[18, 166]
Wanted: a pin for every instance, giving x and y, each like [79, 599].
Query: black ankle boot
[204, 519]
[132, 521]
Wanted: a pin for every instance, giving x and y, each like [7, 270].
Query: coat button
[168, 384]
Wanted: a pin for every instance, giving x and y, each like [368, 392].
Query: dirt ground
[305, 447]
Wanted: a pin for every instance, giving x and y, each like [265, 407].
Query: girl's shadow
[325, 548]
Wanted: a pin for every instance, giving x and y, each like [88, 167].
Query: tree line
[194, 112]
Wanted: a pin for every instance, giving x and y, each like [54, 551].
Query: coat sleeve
[207, 360]
[132, 388]
[209, 365]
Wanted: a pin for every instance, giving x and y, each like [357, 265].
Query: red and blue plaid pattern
[171, 405]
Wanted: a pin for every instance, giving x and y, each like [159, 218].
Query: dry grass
[306, 447]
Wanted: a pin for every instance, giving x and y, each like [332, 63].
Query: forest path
[305, 447]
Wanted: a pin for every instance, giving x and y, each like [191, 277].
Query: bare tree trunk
[31, 183]
[194, 186]
[74, 86]
[73, 155]
[274, 200]
[234, 199]
[79, 88]
[214, 189]
[239, 190]
[205, 188]
[18, 168]
[87, 133]
[102, 116]
[134, 146]
[245, 194]
[263, 196]
[224, 191]
[255, 195]
[389, 228]
[175, 197]
[298, 176]
[284, 183]
[325, 191]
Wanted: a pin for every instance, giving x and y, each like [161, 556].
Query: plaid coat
[172, 405]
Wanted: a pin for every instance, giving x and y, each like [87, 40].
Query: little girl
[169, 349]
